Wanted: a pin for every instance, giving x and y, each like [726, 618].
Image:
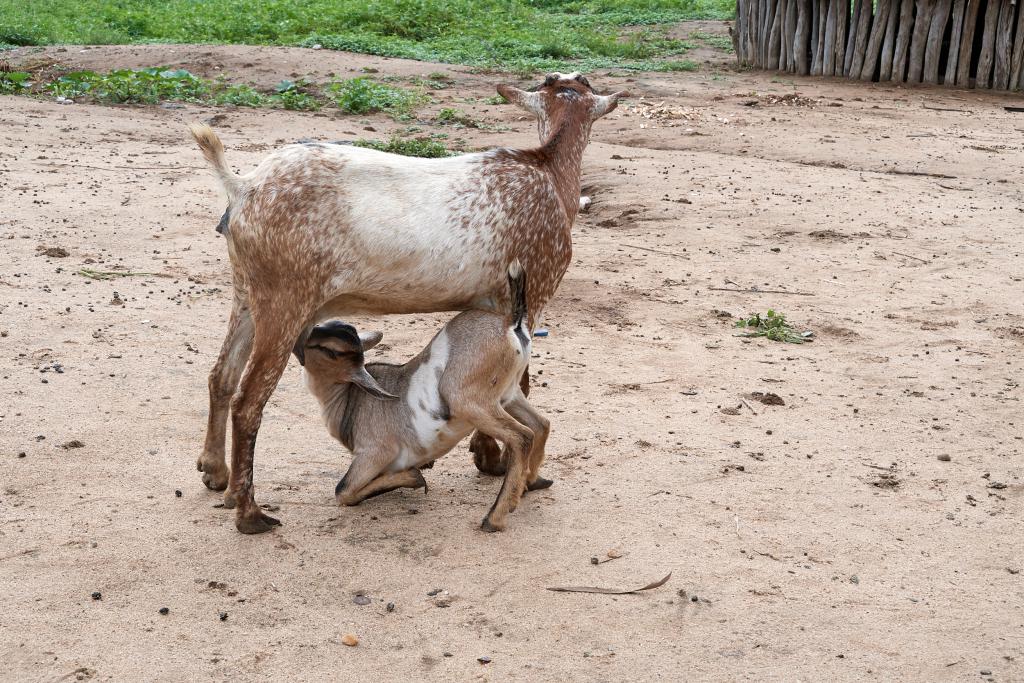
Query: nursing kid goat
[321, 231]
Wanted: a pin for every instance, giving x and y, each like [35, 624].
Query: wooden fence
[962, 43]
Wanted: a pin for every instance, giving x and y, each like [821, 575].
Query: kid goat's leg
[275, 333]
[519, 441]
[487, 454]
[528, 415]
[234, 353]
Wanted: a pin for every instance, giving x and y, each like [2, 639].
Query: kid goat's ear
[370, 339]
[368, 384]
[605, 104]
[530, 101]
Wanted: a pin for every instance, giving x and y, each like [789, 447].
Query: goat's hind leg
[521, 409]
[223, 381]
[518, 439]
[487, 454]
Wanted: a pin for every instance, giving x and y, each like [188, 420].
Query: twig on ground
[750, 290]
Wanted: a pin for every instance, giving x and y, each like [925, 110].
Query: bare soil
[869, 528]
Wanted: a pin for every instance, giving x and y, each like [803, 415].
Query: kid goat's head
[334, 354]
[562, 97]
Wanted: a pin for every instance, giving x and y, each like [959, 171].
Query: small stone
[97, 595]
[484, 660]
[349, 640]
[985, 672]
[223, 616]
[22, 454]
[390, 607]
[165, 611]
[693, 598]
[361, 600]
[434, 592]
[447, 654]
[943, 457]
[177, 493]
[854, 579]
[594, 560]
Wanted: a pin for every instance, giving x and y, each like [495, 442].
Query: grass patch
[363, 96]
[723, 43]
[520, 34]
[14, 82]
[410, 147]
[773, 326]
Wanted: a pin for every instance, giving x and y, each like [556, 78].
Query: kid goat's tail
[517, 291]
[213, 150]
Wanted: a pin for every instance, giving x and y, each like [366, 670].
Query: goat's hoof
[214, 482]
[215, 478]
[421, 483]
[487, 456]
[230, 500]
[257, 523]
[539, 483]
[490, 528]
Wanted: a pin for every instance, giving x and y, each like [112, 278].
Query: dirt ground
[868, 528]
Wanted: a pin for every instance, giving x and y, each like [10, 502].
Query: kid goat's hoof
[256, 524]
[539, 483]
[488, 527]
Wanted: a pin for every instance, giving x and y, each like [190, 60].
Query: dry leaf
[350, 640]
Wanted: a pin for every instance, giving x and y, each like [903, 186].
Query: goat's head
[561, 97]
[334, 352]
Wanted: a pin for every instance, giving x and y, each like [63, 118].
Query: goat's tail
[213, 150]
[517, 291]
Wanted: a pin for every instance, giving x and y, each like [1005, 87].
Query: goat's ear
[368, 384]
[605, 104]
[530, 101]
[370, 339]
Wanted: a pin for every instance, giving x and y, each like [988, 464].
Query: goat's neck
[563, 148]
[337, 401]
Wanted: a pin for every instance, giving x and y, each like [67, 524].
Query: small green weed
[410, 147]
[772, 326]
[453, 117]
[364, 96]
[240, 96]
[13, 82]
[129, 86]
[291, 95]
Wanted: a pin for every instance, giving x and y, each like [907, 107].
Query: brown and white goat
[466, 378]
[319, 231]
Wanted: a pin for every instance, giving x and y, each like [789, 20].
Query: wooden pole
[1017, 62]
[983, 78]
[954, 42]
[963, 69]
[792, 9]
[801, 43]
[922, 22]
[1004, 45]
[828, 65]
[781, 14]
[878, 29]
[885, 66]
[775, 35]
[936, 32]
[842, 21]
[860, 46]
[737, 34]
[851, 37]
[899, 60]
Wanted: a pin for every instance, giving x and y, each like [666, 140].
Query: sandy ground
[822, 539]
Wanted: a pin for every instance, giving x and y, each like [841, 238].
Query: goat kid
[321, 231]
[466, 378]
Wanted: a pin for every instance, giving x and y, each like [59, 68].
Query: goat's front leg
[487, 454]
[272, 346]
[366, 476]
[234, 353]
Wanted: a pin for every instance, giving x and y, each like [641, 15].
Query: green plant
[410, 147]
[240, 96]
[290, 95]
[452, 117]
[131, 86]
[364, 96]
[13, 82]
[772, 326]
